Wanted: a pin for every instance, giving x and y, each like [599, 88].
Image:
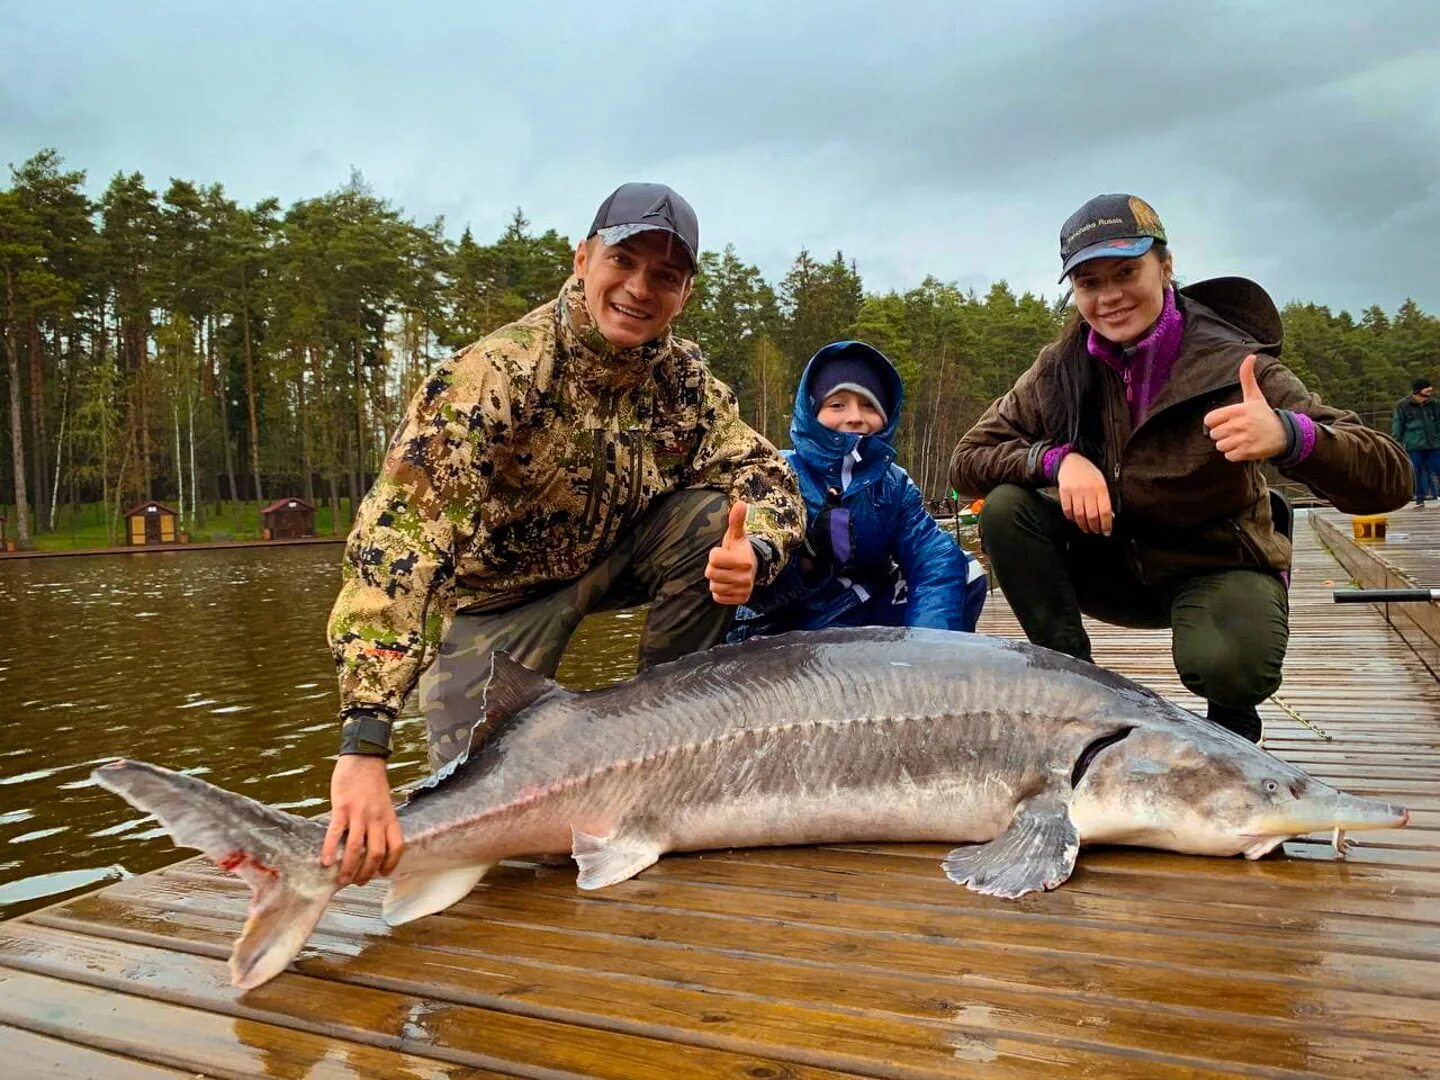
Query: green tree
[128, 241]
[730, 309]
[62, 213]
[21, 251]
[496, 284]
[820, 302]
[153, 346]
[245, 265]
[943, 391]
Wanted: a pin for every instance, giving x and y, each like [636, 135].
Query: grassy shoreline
[83, 526]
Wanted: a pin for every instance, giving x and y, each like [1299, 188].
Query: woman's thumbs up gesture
[1249, 431]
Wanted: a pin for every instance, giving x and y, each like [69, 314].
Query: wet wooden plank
[824, 932]
[853, 960]
[38, 1057]
[873, 1003]
[454, 1021]
[793, 954]
[1105, 918]
[1412, 545]
[196, 1042]
[946, 972]
[1410, 557]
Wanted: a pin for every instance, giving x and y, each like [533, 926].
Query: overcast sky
[1296, 142]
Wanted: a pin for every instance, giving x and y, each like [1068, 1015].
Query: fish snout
[1330, 810]
[1353, 813]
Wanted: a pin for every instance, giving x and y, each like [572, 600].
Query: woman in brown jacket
[1150, 416]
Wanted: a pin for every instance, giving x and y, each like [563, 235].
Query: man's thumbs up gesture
[1249, 431]
[732, 562]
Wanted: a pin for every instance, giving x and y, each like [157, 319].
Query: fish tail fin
[281, 918]
[275, 853]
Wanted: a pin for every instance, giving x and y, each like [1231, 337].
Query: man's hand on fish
[1249, 431]
[362, 812]
[1084, 496]
[731, 572]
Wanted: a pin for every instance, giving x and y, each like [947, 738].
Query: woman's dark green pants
[1230, 627]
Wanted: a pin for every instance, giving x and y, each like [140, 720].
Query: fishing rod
[1385, 596]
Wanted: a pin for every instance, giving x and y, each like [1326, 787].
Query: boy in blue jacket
[873, 555]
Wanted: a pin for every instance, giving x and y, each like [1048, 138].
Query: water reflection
[213, 663]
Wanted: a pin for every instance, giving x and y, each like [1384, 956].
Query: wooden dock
[800, 963]
[1409, 556]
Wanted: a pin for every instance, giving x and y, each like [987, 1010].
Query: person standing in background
[1415, 424]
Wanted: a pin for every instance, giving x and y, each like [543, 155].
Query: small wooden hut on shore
[287, 519]
[151, 523]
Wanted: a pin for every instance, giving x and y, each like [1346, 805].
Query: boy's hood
[820, 446]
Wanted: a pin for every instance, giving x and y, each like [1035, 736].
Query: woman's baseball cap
[1108, 227]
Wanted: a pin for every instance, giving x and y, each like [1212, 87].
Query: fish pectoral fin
[608, 860]
[428, 891]
[1036, 852]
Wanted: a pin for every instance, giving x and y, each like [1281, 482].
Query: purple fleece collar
[1146, 366]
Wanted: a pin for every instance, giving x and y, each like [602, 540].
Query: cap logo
[661, 209]
[1089, 225]
[1146, 220]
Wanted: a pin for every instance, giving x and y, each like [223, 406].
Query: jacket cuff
[1050, 463]
[1299, 439]
[365, 731]
[764, 560]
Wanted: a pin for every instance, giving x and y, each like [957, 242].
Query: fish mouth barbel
[1016, 753]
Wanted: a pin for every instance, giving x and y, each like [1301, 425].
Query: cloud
[1294, 142]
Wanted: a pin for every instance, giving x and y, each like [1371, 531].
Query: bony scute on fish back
[873, 734]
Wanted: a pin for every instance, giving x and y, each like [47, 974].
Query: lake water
[214, 663]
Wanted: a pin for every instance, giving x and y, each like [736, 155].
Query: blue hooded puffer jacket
[890, 530]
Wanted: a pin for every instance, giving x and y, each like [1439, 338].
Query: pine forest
[177, 345]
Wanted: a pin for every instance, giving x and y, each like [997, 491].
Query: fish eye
[1270, 787]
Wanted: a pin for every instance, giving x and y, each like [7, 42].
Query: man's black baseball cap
[636, 208]
[1108, 227]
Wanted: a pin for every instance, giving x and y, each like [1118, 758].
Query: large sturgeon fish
[866, 734]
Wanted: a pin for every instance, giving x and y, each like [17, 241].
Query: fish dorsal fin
[511, 689]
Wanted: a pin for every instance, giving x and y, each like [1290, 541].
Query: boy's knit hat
[852, 369]
[1419, 383]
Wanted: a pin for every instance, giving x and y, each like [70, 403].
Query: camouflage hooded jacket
[519, 464]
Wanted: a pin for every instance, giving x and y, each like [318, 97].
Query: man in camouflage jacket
[579, 459]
